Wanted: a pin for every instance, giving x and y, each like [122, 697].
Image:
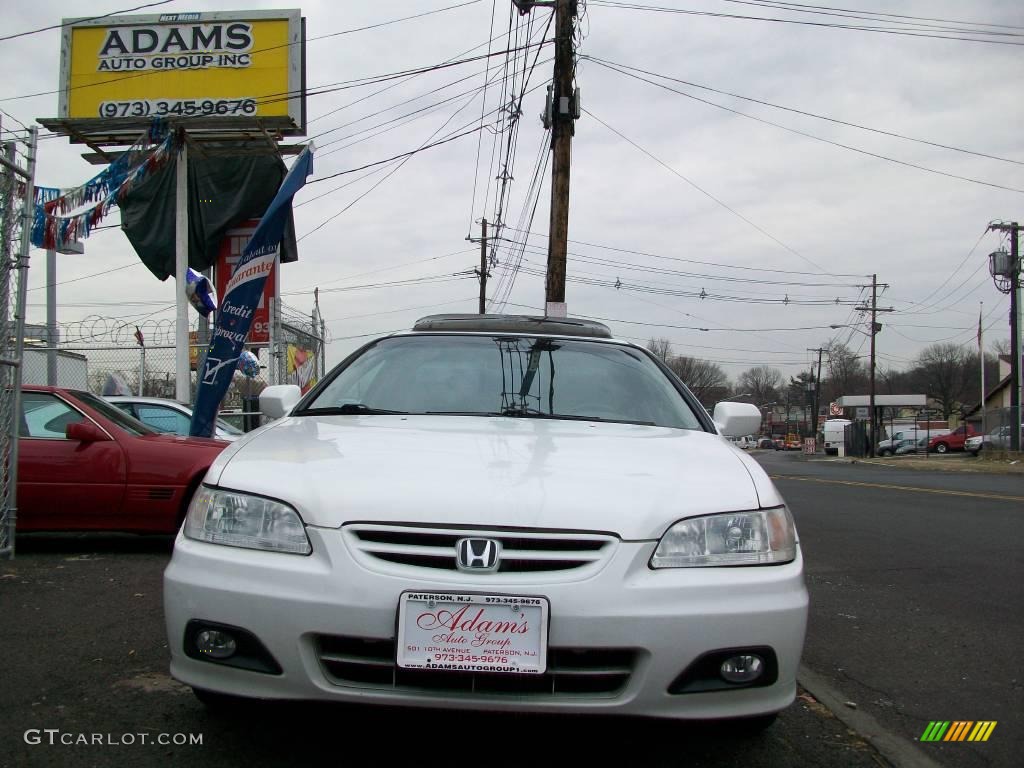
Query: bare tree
[661, 348]
[762, 382]
[945, 372]
[846, 371]
[705, 379]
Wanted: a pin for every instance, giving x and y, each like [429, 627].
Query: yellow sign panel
[240, 64]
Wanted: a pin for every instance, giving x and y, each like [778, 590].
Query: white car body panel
[508, 472]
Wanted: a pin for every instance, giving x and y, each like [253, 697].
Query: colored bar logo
[958, 730]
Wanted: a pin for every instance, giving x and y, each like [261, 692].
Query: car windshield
[128, 423]
[525, 377]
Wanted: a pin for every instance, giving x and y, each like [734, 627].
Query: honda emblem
[477, 554]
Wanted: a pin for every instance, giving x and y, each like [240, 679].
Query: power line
[402, 309]
[440, 278]
[397, 167]
[814, 8]
[856, 27]
[923, 303]
[255, 51]
[87, 277]
[796, 111]
[706, 330]
[695, 261]
[479, 137]
[632, 266]
[805, 134]
[422, 148]
[694, 294]
[78, 21]
[386, 269]
[707, 194]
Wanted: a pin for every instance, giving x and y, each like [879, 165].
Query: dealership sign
[197, 65]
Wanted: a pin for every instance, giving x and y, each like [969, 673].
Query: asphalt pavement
[915, 583]
[85, 659]
[917, 586]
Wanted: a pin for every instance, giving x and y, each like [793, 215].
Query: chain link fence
[127, 368]
[996, 425]
[17, 173]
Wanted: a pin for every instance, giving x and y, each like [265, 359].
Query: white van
[835, 433]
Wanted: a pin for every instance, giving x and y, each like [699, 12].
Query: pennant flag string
[59, 218]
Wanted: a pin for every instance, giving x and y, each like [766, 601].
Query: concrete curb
[900, 752]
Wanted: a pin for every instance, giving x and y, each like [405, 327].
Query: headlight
[240, 520]
[761, 537]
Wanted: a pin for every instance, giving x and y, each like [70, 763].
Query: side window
[126, 407]
[44, 415]
[163, 419]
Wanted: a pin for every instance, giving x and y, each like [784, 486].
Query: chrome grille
[370, 663]
[521, 552]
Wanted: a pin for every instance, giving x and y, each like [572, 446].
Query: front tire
[885, 452]
[941, 448]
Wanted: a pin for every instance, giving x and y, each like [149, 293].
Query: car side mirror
[85, 432]
[737, 419]
[278, 400]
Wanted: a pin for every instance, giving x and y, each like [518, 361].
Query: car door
[65, 484]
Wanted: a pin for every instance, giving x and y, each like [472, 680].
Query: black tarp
[223, 191]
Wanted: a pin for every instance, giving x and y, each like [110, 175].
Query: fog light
[742, 669]
[216, 644]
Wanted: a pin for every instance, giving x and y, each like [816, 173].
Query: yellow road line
[888, 486]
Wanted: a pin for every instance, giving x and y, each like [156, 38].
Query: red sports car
[84, 464]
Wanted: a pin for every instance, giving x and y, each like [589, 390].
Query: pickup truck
[954, 441]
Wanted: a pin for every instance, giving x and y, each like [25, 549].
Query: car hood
[626, 479]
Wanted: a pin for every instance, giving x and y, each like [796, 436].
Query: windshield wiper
[533, 413]
[348, 409]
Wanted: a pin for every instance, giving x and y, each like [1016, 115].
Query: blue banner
[241, 297]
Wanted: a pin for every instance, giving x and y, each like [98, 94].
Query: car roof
[514, 324]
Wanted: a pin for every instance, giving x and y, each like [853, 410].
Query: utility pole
[816, 399]
[563, 111]
[874, 329]
[482, 273]
[1006, 269]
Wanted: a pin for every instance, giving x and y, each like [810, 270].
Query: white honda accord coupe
[497, 512]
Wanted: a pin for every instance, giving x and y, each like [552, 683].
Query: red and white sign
[473, 633]
[231, 249]
[835, 409]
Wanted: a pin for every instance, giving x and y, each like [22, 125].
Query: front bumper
[660, 620]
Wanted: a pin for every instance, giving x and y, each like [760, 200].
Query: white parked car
[168, 416]
[507, 513]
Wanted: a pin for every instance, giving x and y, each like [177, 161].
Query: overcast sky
[798, 205]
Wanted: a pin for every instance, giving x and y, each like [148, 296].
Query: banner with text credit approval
[243, 292]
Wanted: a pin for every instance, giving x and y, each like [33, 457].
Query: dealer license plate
[473, 633]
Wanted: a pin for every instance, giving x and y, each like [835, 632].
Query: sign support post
[182, 388]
